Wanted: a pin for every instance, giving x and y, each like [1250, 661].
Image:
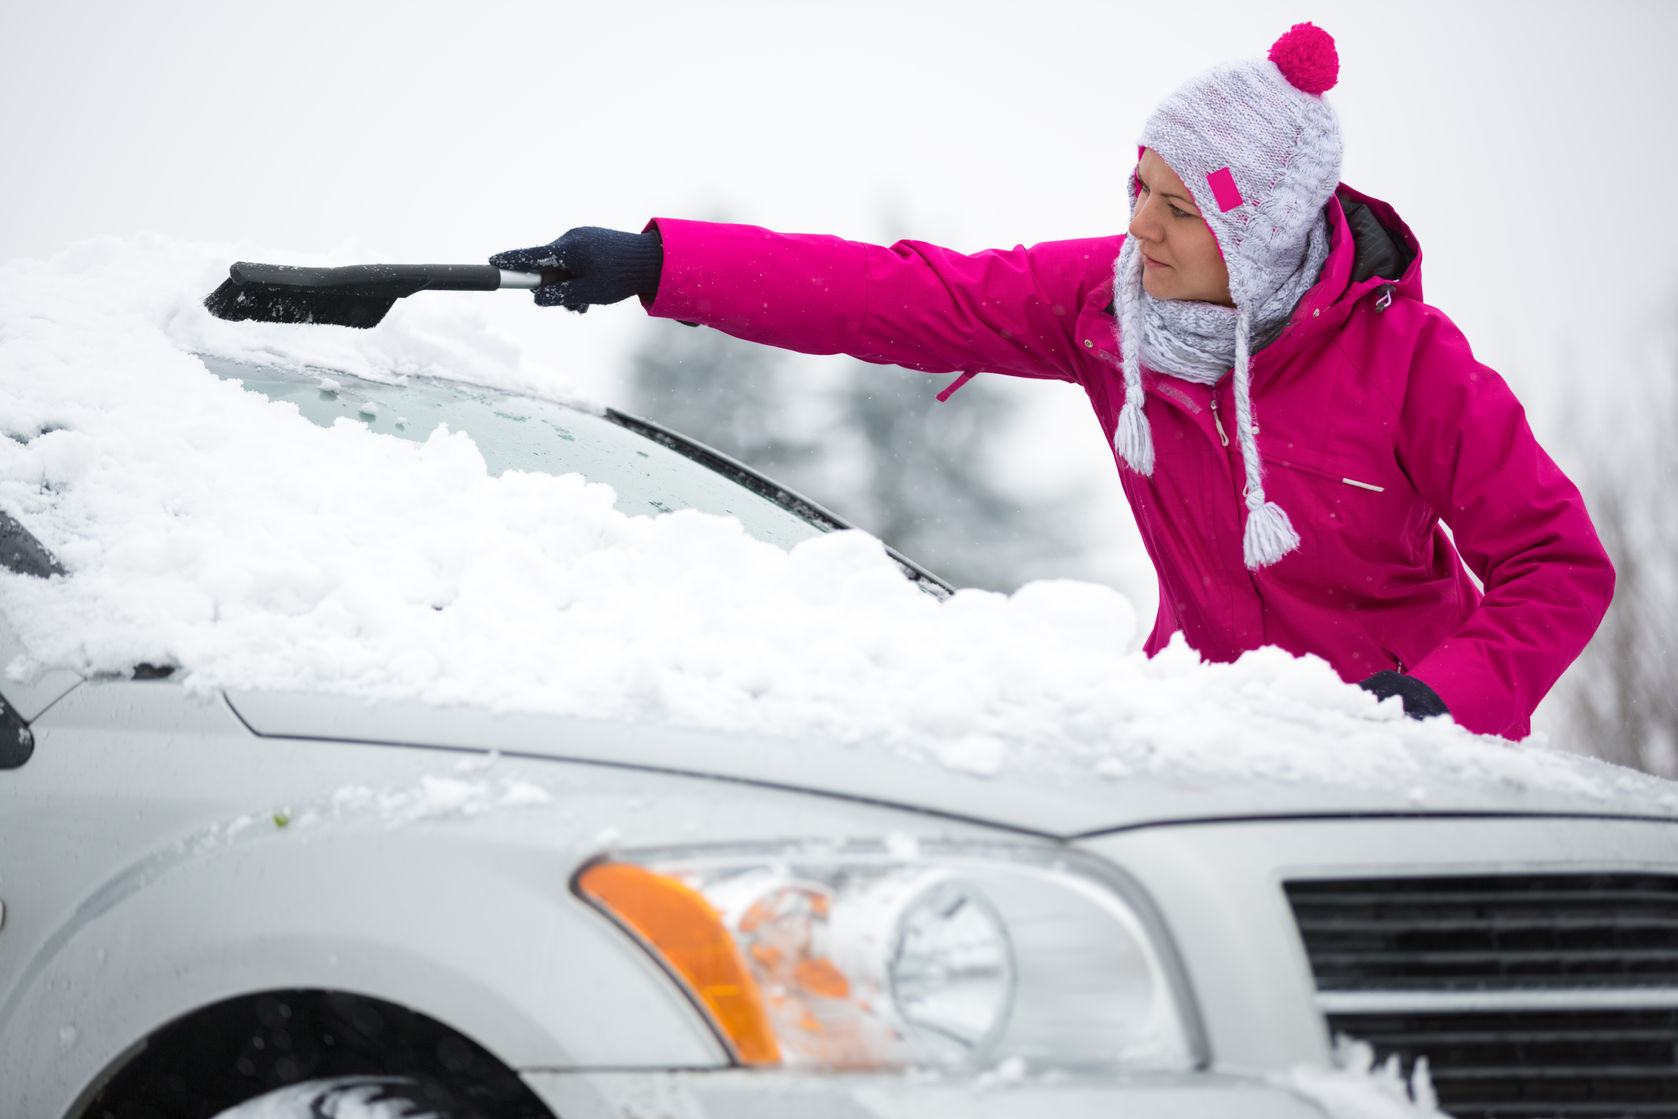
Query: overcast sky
[1529, 144]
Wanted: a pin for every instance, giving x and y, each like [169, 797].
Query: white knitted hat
[1259, 149]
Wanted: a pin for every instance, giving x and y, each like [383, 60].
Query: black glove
[595, 266]
[1420, 701]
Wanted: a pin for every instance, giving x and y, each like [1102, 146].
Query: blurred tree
[729, 394]
[1622, 695]
[877, 449]
[930, 478]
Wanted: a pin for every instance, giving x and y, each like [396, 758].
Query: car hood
[1406, 773]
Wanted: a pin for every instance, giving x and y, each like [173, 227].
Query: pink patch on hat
[1224, 191]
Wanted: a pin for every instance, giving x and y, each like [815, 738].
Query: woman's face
[1180, 258]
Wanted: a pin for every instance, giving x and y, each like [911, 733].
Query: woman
[1293, 426]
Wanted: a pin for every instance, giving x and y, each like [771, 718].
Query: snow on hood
[208, 527]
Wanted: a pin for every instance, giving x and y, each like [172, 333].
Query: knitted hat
[1259, 150]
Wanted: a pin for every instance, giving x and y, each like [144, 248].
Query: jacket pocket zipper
[1370, 486]
[1224, 439]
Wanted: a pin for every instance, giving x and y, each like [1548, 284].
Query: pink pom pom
[1307, 58]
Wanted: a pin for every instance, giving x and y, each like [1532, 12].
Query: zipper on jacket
[1222, 438]
[1321, 473]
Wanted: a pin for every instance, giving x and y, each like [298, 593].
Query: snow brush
[356, 295]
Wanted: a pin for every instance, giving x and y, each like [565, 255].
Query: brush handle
[396, 279]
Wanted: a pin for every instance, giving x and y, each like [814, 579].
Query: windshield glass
[516, 432]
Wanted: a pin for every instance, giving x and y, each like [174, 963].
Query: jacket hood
[1383, 247]
[1371, 251]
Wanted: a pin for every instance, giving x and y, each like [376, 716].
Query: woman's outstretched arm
[912, 304]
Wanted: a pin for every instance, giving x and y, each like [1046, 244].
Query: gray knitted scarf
[1196, 341]
[1200, 342]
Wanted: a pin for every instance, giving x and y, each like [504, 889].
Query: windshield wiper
[747, 478]
[22, 553]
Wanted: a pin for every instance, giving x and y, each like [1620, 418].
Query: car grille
[1540, 996]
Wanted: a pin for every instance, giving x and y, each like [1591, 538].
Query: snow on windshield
[211, 528]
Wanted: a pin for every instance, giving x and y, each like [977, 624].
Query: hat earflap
[1269, 534]
[1131, 438]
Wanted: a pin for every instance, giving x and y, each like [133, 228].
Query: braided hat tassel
[1131, 438]
[1269, 534]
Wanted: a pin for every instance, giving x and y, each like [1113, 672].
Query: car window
[513, 432]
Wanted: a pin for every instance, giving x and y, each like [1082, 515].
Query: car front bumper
[767, 1094]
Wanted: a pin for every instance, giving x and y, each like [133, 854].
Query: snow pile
[462, 794]
[210, 528]
[430, 798]
[1359, 1088]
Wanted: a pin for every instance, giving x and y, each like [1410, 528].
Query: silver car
[258, 903]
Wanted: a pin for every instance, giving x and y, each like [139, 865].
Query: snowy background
[1526, 143]
[1509, 132]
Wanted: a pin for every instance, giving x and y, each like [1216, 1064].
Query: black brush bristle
[255, 302]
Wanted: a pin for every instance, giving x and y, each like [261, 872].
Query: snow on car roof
[208, 527]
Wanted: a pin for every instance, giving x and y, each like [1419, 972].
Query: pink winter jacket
[1375, 424]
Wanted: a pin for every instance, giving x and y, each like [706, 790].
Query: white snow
[434, 797]
[1358, 1087]
[467, 791]
[208, 527]
[1009, 1070]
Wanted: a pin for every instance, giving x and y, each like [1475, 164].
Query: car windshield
[651, 470]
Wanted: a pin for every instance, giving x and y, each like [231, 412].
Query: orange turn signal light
[687, 934]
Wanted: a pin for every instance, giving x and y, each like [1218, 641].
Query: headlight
[871, 956]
